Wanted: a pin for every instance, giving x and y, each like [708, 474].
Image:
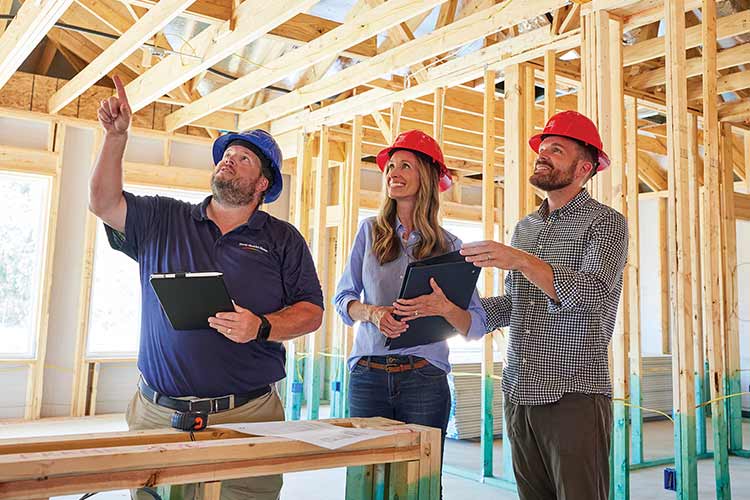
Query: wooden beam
[664, 319]
[45, 61]
[725, 83]
[633, 271]
[5, 6]
[396, 108]
[384, 128]
[550, 87]
[730, 299]
[438, 118]
[735, 111]
[374, 21]
[314, 339]
[683, 364]
[437, 42]
[516, 50]
[306, 28]
[211, 45]
[652, 14]
[150, 24]
[728, 26]
[727, 58]
[488, 222]
[33, 20]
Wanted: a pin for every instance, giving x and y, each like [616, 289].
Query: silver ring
[488, 257]
[229, 331]
[416, 313]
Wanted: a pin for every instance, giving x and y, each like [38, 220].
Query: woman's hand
[382, 317]
[433, 304]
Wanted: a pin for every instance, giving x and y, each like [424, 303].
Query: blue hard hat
[266, 144]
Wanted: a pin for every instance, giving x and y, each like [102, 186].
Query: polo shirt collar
[256, 220]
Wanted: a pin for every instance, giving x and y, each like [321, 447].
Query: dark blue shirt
[267, 266]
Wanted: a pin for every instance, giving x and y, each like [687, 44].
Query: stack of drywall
[656, 385]
[466, 393]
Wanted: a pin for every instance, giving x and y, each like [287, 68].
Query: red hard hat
[416, 140]
[575, 126]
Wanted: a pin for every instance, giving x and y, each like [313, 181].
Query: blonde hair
[386, 245]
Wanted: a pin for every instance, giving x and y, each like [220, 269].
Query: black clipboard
[188, 299]
[458, 280]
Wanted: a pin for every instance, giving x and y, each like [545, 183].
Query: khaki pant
[143, 414]
[561, 450]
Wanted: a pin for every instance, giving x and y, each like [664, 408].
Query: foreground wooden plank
[43, 467]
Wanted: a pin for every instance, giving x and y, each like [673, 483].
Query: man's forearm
[105, 189]
[540, 274]
[294, 321]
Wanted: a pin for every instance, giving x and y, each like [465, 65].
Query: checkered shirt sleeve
[556, 348]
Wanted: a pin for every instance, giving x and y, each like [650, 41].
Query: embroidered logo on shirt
[252, 248]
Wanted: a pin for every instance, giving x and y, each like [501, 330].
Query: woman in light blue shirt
[407, 384]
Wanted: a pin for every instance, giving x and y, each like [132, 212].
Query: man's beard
[554, 179]
[233, 192]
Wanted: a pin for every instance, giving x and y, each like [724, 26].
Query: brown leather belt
[393, 367]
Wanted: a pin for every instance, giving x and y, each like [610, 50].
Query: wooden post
[303, 173]
[679, 253]
[527, 81]
[712, 220]
[488, 220]
[352, 223]
[621, 336]
[666, 346]
[514, 185]
[550, 88]
[438, 115]
[604, 96]
[314, 340]
[729, 286]
[694, 171]
[396, 109]
[633, 279]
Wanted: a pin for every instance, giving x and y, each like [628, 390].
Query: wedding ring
[229, 331]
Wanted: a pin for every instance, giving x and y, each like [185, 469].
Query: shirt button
[527, 332]
[523, 361]
[539, 247]
[531, 303]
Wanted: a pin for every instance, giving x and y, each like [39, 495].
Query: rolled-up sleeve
[350, 285]
[587, 288]
[478, 326]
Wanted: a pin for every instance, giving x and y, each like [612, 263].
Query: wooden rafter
[156, 18]
[455, 35]
[211, 46]
[32, 22]
[375, 20]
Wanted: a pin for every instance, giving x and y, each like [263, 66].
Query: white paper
[314, 432]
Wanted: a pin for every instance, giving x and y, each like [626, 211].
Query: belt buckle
[213, 404]
[392, 367]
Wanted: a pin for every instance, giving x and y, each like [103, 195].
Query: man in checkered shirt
[564, 282]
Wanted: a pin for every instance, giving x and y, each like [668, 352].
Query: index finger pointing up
[121, 95]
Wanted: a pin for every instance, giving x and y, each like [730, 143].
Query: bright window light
[115, 301]
[22, 252]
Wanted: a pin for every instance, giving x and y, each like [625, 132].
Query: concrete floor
[645, 484]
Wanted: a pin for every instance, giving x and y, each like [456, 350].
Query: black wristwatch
[264, 330]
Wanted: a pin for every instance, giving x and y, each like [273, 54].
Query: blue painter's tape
[670, 479]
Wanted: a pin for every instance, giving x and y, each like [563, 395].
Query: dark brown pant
[561, 450]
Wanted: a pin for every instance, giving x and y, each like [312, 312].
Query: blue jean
[419, 396]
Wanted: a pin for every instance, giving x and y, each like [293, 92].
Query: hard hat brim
[537, 139]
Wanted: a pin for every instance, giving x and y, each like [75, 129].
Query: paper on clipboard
[314, 432]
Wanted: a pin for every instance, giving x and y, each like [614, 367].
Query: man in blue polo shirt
[228, 370]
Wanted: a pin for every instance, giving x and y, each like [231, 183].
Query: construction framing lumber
[112, 461]
[33, 20]
[143, 30]
[442, 40]
[213, 44]
[683, 368]
[363, 26]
